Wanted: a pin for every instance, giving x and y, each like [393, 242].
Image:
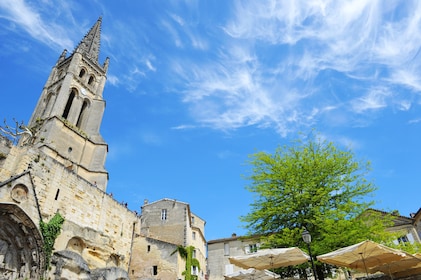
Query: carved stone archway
[21, 245]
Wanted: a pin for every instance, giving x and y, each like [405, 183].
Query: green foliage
[182, 251]
[315, 185]
[49, 232]
[186, 253]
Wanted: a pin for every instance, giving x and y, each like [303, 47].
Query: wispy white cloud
[112, 79]
[28, 18]
[173, 32]
[149, 65]
[274, 52]
[374, 99]
[183, 127]
[271, 64]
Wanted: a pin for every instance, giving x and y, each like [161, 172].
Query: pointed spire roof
[90, 44]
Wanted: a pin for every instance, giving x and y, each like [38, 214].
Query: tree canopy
[312, 184]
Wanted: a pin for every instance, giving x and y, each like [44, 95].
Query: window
[226, 249]
[403, 239]
[194, 270]
[194, 254]
[155, 270]
[81, 114]
[163, 214]
[57, 193]
[82, 73]
[91, 80]
[194, 236]
[149, 248]
[47, 103]
[251, 248]
[192, 220]
[68, 104]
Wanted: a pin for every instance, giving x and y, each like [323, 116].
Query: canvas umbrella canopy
[409, 270]
[400, 267]
[366, 256]
[271, 258]
[252, 273]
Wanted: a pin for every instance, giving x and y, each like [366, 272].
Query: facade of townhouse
[408, 226]
[220, 250]
[168, 223]
[57, 168]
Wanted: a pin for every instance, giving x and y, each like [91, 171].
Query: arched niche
[21, 253]
[75, 244]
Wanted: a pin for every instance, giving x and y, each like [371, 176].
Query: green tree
[315, 185]
[186, 253]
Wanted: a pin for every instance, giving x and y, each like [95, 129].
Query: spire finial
[90, 44]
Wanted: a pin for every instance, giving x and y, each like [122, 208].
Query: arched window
[68, 104]
[60, 74]
[47, 101]
[91, 80]
[82, 113]
[82, 73]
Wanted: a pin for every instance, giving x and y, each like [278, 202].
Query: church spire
[90, 44]
[69, 112]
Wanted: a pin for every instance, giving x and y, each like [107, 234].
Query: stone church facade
[57, 166]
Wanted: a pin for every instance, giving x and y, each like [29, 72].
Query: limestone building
[57, 166]
[220, 250]
[166, 224]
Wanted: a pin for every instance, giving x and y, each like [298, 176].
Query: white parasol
[252, 273]
[271, 258]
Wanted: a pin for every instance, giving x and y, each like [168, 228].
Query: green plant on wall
[186, 253]
[49, 232]
[74, 128]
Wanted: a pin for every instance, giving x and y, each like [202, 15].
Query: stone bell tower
[69, 112]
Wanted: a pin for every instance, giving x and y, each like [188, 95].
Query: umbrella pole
[365, 267]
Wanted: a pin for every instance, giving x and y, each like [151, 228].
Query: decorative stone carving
[19, 193]
[19, 259]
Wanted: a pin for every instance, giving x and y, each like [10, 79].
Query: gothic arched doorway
[21, 245]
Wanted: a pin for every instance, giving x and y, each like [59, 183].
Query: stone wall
[103, 227]
[5, 146]
[172, 228]
[154, 259]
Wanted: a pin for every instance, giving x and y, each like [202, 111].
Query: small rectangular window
[149, 248]
[194, 236]
[163, 214]
[57, 193]
[155, 270]
[403, 239]
[252, 248]
[226, 249]
[194, 270]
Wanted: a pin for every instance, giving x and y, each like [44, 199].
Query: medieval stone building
[57, 166]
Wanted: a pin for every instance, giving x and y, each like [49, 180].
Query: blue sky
[194, 87]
